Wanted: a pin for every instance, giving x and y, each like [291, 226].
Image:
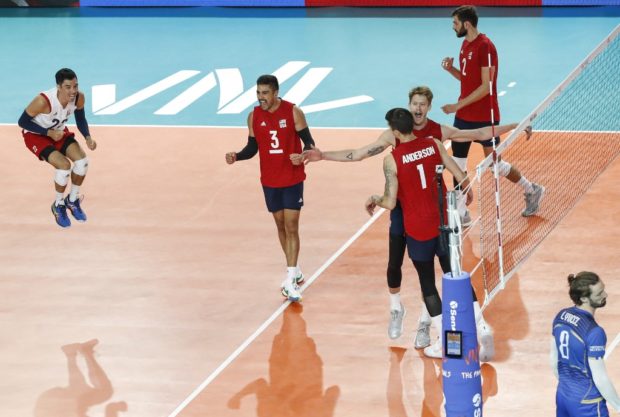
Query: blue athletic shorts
[291, 198]
[424, 250]
[397, 225]
[566, 407]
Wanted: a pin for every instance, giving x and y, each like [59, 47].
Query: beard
[598, 304]
[461, 33]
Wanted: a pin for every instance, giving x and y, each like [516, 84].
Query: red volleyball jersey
[417, 187]
[473, 57]
[277, 139]
[432, 129]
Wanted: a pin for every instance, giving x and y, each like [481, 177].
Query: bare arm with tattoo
[388, 199]
[385, 140]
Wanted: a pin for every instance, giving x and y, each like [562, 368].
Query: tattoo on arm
[376, 150]
[389, 178]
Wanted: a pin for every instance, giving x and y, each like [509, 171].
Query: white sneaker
[290, 290]
[395, 328]
[487, 345]
[299, 278]
[422, 335]
[435, 350]
[532, 200]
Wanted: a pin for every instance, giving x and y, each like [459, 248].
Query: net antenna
[450, 231]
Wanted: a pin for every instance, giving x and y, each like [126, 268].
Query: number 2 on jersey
[275, 143]
[463, 66]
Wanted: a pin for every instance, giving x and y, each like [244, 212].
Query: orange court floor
[179, 264]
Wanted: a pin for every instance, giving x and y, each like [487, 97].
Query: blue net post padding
[462, 384]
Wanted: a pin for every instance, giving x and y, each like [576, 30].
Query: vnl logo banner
[233, 98]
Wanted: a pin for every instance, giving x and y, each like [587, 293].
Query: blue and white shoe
[290, 290]
[299, 278]
[76, 209]
[60, 214]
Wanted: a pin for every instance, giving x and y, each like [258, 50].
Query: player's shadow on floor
[295, 386]
[75, 399]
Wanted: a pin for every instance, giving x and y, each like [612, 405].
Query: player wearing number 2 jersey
[578, 350]
[275, 130]
[47, 137]
[477, 105]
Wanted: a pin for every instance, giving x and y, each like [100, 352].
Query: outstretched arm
[388, 199]
[468, 135]
[385, 140]
[603, 383]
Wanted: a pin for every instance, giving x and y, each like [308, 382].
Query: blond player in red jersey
[477, 98]
[410, 176]
[276, 128]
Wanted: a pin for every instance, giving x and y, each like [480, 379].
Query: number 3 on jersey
[275, 143]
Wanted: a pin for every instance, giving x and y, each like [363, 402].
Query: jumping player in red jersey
[420, 101]
[275, 129]
[473, 109]
[45, 135]
[410, 176]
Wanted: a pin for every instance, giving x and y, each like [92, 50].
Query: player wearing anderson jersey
[47, 137]
[420, 103]
[275, 130]
[473, 109]
[578, 350]
[410, 175]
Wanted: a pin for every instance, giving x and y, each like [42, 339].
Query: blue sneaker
[60, 213]
[75, 209]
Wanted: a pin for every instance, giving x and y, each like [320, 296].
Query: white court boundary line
[272, 318]
[612, 346]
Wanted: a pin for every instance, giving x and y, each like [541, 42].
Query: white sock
[291, 272]
[527, 186]
[297, 271]
[60, 199]
[395, 302]
[425, 317]
[73, 195]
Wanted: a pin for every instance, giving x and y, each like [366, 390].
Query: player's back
[417, 188]
[577, 337]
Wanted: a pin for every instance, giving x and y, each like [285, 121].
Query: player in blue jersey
[578, 350]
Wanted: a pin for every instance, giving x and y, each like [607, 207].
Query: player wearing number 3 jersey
[275, 130]
[578, 350]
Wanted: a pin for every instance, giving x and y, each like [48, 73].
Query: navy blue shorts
[424, 250]
[574, 408]
[461, 149]
[291, 198]
[397, 225]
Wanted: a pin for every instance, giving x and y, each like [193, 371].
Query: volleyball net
[576, 136]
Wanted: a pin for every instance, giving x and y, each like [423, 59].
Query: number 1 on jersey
[422, 176]
[275, 143]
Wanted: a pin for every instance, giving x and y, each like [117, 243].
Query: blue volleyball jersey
[577, 338]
